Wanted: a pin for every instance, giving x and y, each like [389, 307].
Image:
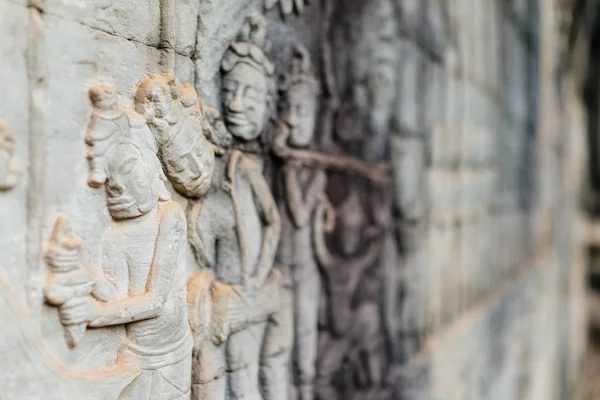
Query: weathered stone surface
[113, 17]
[14, 117]
[285, 199]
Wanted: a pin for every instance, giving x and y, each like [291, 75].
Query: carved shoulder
[172, 216]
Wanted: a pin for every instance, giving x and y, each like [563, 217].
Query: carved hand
[62, 259]
[80, 310]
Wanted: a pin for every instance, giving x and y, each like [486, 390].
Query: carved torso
[219, 226]
[127, 263]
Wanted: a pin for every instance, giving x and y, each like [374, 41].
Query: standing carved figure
[304, 190]
[234, 231]
[9, 174]
[142, 280]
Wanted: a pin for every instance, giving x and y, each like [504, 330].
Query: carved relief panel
[247, 248]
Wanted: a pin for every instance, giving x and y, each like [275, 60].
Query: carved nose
[292, 119]
[235, 104]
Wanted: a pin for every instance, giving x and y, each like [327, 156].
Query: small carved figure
[343, 273]
[234, 231]
[68, 279]
[107, 123]
[142, 282]
[182, 129]
[287, 7]
[9, 174]
[304, 190]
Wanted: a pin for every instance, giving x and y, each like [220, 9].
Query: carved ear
[228, 61]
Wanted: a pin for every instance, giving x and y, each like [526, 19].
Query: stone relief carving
[244, 325]
[142, 280]
[241, 326]
[307, 218]
[9, 174]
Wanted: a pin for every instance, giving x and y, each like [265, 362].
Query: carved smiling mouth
[236, 119]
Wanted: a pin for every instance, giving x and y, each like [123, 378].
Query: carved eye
[301, 110]
[128, 166]
[229, 85]
[179, 164]
[251, 93]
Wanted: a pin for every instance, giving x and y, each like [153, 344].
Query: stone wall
[467, 285]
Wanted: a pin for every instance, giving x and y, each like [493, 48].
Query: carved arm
[149, 304]
[269, 214]
[325, 258]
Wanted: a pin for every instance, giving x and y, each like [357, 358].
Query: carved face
[189, 163]
[381, 83]
[133, 184]
[245, 101]
[299, 108]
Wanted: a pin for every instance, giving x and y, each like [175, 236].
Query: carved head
[298, 105]
[382, 71]
[104, 97]
[187, 156]
[246, 72]
[157, 95]
[133, 187]
[189, 162]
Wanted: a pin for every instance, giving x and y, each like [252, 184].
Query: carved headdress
[7, 139]
[250, 47]
[301, 70]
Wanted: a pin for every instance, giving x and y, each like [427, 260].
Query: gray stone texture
[478, 291]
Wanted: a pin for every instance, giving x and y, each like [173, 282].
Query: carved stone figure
[68, 280]
[9, 174]
[142, 280]
[358, 246]
[309, 215]
[184, 136]
[234, 231]
[304, 190]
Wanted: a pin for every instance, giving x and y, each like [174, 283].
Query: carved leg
[213, 390]
[243, 358]
[243, 383]
[208, 372]
[307, 288]
[331, 356]
[274, 368]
